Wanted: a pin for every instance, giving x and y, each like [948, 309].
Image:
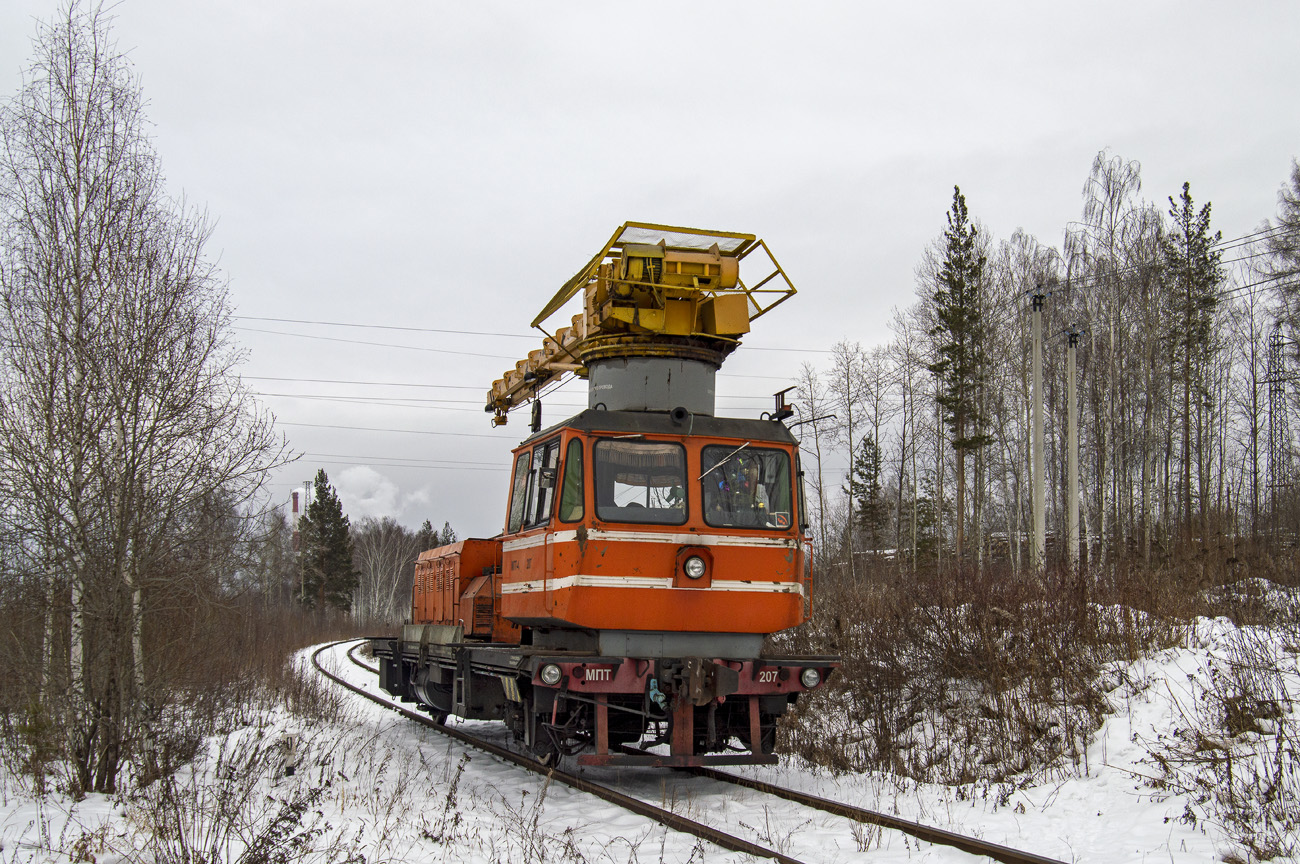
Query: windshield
[746, 487]
[640, 481]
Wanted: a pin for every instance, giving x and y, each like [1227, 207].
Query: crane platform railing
[653, 290]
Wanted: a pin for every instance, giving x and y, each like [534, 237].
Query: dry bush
[976, 676]
[225, 811]
[212, 660]
[1236, 749]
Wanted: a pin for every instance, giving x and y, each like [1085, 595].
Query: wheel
[544, 748]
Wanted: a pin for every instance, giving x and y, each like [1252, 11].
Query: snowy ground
[370, 785]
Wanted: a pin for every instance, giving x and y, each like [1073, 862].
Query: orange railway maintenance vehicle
[649, 546]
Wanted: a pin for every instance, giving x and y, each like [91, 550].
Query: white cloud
[366, 492]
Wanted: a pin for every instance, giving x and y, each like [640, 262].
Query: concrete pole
[1040, 485]
[1072, 473]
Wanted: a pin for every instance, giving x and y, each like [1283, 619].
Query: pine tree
[448, 536]
[328, 574]
[427, 537]
[960, 343]
[1193, 266]
[870, 503]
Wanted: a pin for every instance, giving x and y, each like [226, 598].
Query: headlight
[810, 678]
[550, 674]
[694, 566]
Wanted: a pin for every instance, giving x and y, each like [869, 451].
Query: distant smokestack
[295, 521]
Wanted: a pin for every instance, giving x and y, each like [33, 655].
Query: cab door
[526, 546]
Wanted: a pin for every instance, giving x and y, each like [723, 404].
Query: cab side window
[519, 492]
[571, 493]
[541, 487]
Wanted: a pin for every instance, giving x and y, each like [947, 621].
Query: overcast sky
[449, 166]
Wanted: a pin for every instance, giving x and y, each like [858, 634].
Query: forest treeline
[324, 562]
[1186, 351]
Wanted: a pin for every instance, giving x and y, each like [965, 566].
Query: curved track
[664, 817]
[872, 817]
[938, 836]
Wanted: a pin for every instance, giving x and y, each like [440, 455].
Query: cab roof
[661, 423]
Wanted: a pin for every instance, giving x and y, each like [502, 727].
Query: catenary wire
[442, 331]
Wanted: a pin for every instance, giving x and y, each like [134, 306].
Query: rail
[929, 834]
[664, 817]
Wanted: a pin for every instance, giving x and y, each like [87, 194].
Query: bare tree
[813, 405]
[909, 363]
[880, 406]
[845, 387]
[1282, 240]
[384, 553]
[1251, 322]
[122, 410]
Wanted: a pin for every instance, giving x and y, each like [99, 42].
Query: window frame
[540, 515]
[519, 492]
[574, 446]
[685, 466]
[801, 502]
[791, 481]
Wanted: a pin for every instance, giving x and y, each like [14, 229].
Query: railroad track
[664, 817]
[927, 833]
[669, 819]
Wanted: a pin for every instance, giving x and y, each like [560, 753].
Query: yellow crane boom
[652, 291]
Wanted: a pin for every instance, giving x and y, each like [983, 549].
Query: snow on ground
[372, 785]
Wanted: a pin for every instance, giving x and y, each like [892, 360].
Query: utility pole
[302, 567]
[1072, 456]
[1278, 434]
[1040, 485]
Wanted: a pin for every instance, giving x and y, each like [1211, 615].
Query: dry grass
[995, 680]
[211, 664]
[975, 676]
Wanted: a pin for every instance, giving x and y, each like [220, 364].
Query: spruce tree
[960, 344]
[1193, 266]
[870, 503]
[328, 574]
[427, 537]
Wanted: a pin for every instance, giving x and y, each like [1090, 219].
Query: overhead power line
[444, 331]
[376, 344]
[423, 466]
[433, 404]
[495, 464]
[384, 327]
[395, 431]
[362, 383]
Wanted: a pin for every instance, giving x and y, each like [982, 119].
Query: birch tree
[812, 403]
[122, 410]
[1282, 242]
[905, 355]
[845, 388]
[384, 555]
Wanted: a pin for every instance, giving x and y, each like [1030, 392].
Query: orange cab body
[559, 565]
